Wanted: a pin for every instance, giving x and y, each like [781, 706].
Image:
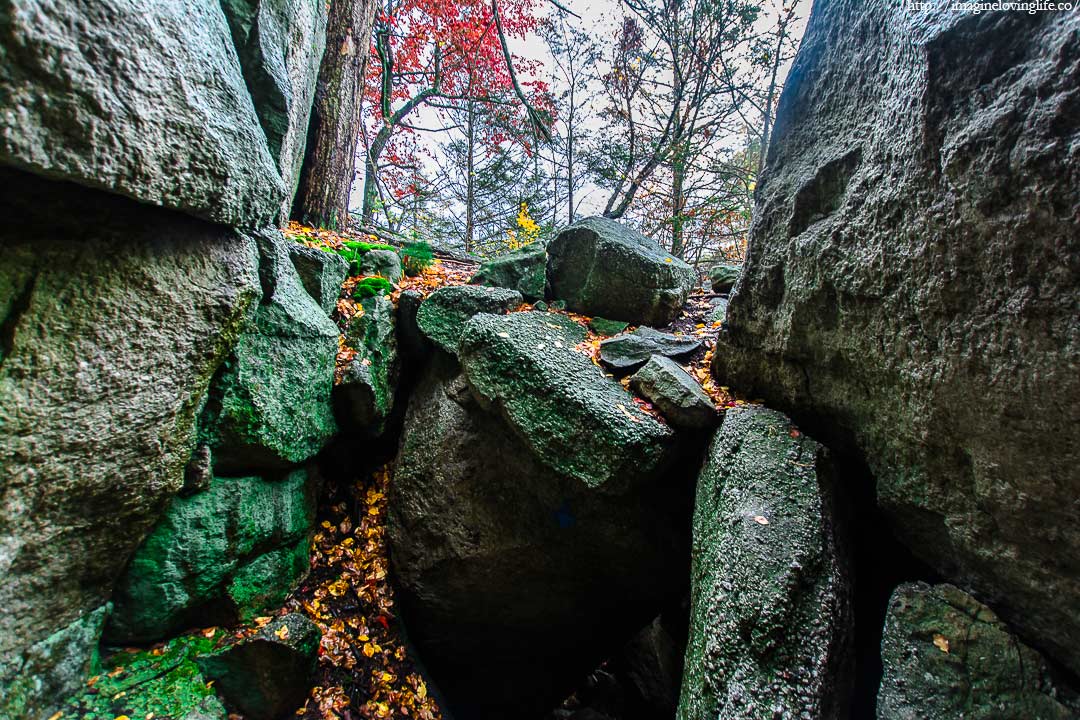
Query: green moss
[417, 257]
[372, 286]
[167, 684]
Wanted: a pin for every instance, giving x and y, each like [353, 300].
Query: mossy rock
[631, 351]
[321, 272]
[946, 655]
[223, 554]
[365, 396]
[442, 317]
[165, 682]
[770, 596]
[383, 263]
[722, 277]
[675, 393]
[524, 270]
[601, 267]
[603, 326]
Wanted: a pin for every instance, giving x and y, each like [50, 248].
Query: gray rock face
[524, 270]
[442, 317]
[321, 274]
[365, 395]
[115, 316]
[601, 267]
[911, 285]
[270, 408]
[143, 99]
[946, 655]
[280, 44]
[510, 570]
[770, 600]
[631, 351]
[384, 263]
[675, 393]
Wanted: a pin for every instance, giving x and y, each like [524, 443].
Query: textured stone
[603, 326]
[770, 619]
[114, 317]
[384, 263]
[722, 277]
[321, 274]
[631, 351]
[280, 44]
[911, 287]
[946, 655]
[675, 394]
[524, 270]
[267, 676]
[601, 267]
[511, 571]
[271, 408]
[144, 99]
[365, 396]
[442, 317]
[192, 566]
[652, 662]
[574, 418]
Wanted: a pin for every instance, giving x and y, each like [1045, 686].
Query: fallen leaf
[761, 520]
[941, 642]
[282, 633]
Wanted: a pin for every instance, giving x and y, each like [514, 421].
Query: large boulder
[525, 544]
[365, 395]
[442, 316]
[114, 317]
[675, 393]
[144, 99]
[770, 619]
[280, 44]
[601, 267]
[270, 407]
[946, 655]
[910, 290]
[221, 555]
[267, 676]
[526, 367]
[524, 270]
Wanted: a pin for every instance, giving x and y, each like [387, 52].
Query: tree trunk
[678, 200]
[326, 178]
[470, 180]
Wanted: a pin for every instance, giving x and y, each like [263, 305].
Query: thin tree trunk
[470, 180]
[329, 168]
[678, 200]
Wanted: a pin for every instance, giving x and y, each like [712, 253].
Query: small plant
[353, 250]
[372, 286]
[416, 257]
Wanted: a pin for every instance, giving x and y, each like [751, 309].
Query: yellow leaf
[56, 715]
[941, 642]
[369, 649]
[282, 632]
[667, 260]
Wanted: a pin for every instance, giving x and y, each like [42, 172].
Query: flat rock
[240, 545]
[267, 676]
[631, 351]
[912, 286]
[602, 267]
[675, 393]
[524, 270]
[770, 618]
[525, 367]
[946, 655]
[442, 317]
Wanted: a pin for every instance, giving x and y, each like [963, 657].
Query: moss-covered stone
[524, 270]
[722, 277]
[443, 315]
[383, 263]
[207, 557]
[601, 267]
[675, 393]
[603, 326]
[946, 655]
[574, 418]
[321, 273]
[268, 675]
[270, 407]
[365, 395]
[770, 601]
[160, 683]
[631, 351]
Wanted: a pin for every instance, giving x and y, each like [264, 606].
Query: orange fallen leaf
[941, 642]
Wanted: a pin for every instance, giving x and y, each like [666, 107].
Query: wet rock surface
[631, 351]
[675, 394]
[442, 316]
